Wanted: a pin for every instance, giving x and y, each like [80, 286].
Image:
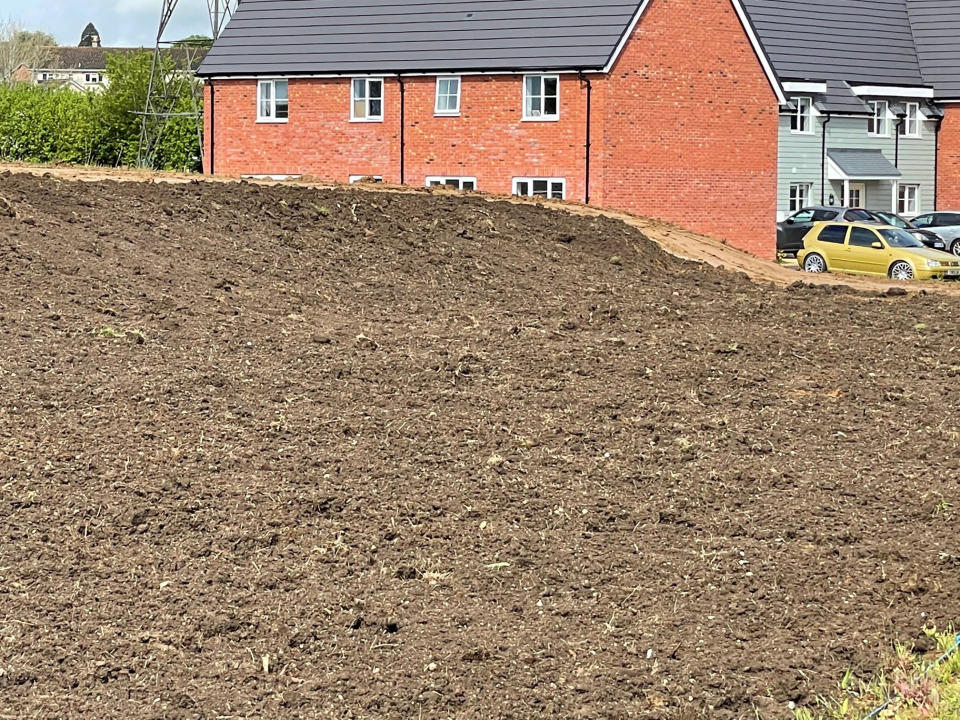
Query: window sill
[446, 114]
[272, 121]
[366, 120]
[542, 118]
[802, 132]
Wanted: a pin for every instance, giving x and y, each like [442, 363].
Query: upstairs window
[366, 103]
[448, 96]
[910, 126]
[552, 188]
[801, 121]
[272, 103]
[458, 183]
[879, 124]
[541, 97]
[92, 78]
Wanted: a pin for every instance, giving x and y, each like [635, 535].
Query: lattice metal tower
[172, 78]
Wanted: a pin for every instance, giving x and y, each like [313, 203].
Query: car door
[794, 228]
[947, 225]
[831, 243]
[861, 255]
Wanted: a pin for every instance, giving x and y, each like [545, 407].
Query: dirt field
[291, 452]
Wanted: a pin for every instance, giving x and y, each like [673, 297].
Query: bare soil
[294, 452]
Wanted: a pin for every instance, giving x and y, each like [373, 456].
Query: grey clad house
[860, 126]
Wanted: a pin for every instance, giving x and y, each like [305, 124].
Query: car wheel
[955, 248]
[814, 263]
[901, 270]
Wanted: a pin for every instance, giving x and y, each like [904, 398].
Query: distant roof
[90, 37]
[859, 41]
[95, 58]
[856, 163]
[346, 36]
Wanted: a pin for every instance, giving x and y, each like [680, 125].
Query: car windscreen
[900, 238]
[858, 216]
[894, 220]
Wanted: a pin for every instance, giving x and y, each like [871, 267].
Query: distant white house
[83, 68]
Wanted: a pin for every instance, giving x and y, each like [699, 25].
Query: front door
[858, 193]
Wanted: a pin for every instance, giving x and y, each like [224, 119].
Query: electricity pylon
[173, 77]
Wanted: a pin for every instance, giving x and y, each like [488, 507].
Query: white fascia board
[892, 91]
[438, 73]
[816, 88]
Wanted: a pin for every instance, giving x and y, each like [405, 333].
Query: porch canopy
[860, 164]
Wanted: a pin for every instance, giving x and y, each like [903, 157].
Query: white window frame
[366, 99]
[903, 199]
[917, 121]
[444, 180]
[550, 183]
[436, 103]
[91, 77]
[357, 178]
[877, 117]
[272, 118]
[801, 200]
[542, 117]
[799, 115]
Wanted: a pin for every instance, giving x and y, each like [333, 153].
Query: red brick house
[666, 108]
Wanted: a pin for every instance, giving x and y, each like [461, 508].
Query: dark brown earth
[286, 452]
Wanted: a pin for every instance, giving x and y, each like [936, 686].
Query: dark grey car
[790, 232]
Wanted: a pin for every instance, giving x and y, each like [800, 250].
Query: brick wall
[684, 129]
[319, 138]
[948, 163]
[690, 126]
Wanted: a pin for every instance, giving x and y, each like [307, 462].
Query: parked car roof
[322, 36]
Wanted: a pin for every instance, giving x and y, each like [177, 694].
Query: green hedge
[47, 125]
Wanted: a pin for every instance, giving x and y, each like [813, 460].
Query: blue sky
[126, 23]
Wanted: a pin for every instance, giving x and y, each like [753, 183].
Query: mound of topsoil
[281, 452]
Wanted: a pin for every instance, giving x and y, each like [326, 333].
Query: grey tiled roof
[858, 163]
[936, 28]
[859, 41]
[357, 36]
[840, 99]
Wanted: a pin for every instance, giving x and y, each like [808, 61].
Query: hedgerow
[43, 124]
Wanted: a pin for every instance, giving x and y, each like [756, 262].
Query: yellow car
[871, 249]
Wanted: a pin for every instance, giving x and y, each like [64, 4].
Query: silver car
[946, 223]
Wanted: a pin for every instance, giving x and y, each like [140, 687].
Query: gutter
[901, 119]
[403, 123]
[936, 164]
[587, 143]
[213, 134]
[823, 158]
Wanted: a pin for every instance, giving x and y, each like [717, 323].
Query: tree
[123, 102]
[20, 47]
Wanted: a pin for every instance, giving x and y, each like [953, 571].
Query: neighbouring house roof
[841, 99]
[337, 37]
[936, 28]
[95, 58]
[857, 41]
[859, 164]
